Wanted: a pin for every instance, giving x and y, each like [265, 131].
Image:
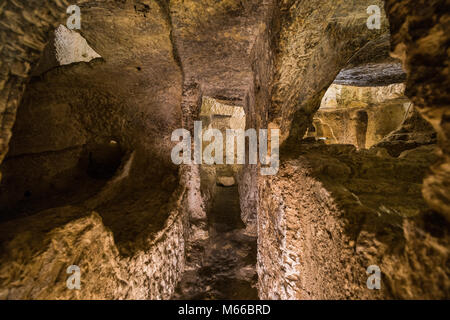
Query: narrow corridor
[229, 265]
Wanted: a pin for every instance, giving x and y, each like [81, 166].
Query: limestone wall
[332, 212]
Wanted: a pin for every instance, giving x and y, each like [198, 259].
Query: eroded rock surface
[332, 212]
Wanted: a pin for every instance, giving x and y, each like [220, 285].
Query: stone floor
[229, 265]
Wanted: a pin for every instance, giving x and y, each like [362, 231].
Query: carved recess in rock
[361, 116]
[413, 132]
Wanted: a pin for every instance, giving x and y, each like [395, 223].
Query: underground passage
[334, 186]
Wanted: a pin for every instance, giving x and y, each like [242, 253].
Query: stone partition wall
[321, 224]
[35, 259]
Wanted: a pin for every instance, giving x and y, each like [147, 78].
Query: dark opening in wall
[362, 120]
[103, 159]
